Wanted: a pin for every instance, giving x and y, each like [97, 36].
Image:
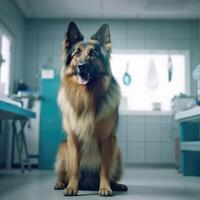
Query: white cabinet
[32, 137]
[146, 139]
[167, 152]
[122, 130]
[135, 128]
[135, 152]
[32, 134]
[122, 136]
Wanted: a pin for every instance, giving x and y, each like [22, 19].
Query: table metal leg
[17, 142]
[23, 123]
[20, 140]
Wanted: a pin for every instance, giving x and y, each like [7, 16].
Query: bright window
[141, 94]
[5, 63]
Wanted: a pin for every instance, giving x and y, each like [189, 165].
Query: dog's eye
[77, 53]
[92, 53]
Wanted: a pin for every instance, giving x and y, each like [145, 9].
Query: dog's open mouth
[83, 78]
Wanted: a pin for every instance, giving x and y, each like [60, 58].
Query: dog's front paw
[59, 186]
[106, 192]
[70, 191]
[118, 187]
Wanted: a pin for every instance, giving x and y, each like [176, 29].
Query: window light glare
[138, 95]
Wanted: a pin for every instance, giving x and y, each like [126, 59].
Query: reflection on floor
[143, 183]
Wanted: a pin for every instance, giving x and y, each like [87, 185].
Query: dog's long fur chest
[90, 155]
[82, 125]
[88, 122]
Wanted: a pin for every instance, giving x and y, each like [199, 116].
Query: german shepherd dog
[88, 98]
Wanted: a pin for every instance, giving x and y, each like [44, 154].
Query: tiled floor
[144, 184]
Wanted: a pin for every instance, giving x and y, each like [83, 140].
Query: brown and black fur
[90, 158]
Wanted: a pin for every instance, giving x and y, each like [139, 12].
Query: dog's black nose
[82, 68]
[85, 70]
[82, 71]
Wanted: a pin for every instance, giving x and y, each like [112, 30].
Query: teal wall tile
[152, 30]
[135, 29]
[47, 35]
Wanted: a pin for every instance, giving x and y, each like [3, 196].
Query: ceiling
[112, 9]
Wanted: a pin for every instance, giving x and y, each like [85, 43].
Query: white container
[182, 103]
[156, 106]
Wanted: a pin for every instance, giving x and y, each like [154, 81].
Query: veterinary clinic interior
[155, 60]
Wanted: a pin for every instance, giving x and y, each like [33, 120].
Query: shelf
[190, 114]
[190, 146]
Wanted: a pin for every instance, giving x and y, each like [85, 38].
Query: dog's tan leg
[117, 173]
[60, 168]
[74, 160]
[106, 151]
[61, 181]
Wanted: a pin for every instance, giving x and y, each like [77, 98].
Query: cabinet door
[122, 136]
[51, 133]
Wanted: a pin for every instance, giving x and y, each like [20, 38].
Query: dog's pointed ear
[103, 37]
[72, 36]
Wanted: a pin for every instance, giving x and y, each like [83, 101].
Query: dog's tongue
[82, 81]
